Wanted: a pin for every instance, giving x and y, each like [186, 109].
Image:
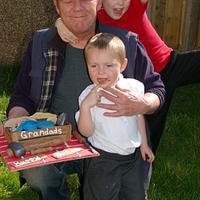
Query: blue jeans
[50, 180]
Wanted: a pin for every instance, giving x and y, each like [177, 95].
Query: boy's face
[116, 8]
[104, 66]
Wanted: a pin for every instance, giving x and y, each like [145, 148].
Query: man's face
[78, 15]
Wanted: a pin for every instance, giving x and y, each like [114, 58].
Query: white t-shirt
[115, 134]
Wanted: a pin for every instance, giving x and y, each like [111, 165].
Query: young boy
[117, 173]
[131, 15]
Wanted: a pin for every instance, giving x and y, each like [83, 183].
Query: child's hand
[147, 153]
[63, 31]
[92, 98]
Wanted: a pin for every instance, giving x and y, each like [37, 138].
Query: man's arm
[20, 104]
[154, 87]
[21, 94]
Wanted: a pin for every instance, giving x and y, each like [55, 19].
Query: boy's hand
[92, 98]
[147, 154]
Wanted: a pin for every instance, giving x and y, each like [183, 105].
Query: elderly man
[54, 73]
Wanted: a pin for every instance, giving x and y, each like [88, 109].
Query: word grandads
[40, 133]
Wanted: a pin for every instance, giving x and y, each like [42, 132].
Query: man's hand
[125, 103]
[16, 111]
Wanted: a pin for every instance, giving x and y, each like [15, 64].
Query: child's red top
[136, 20]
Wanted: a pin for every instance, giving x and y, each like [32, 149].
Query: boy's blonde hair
[107, 41]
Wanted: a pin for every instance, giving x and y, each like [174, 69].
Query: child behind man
[117, 173]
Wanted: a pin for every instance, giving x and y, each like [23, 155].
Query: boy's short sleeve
[82, 96]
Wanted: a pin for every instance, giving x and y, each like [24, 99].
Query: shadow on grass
[25, 193]
[8, 78]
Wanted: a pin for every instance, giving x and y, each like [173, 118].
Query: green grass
[176, 169]
[176, 174]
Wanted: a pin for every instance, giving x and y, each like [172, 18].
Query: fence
[177, 22]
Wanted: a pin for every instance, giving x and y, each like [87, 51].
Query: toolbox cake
[41, 139]
[36, 133]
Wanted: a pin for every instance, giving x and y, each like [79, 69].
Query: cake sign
[40, 133]
[28, 161]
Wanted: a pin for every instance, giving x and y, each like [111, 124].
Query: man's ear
[123, 65]
[99, 4]
[56, 6]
